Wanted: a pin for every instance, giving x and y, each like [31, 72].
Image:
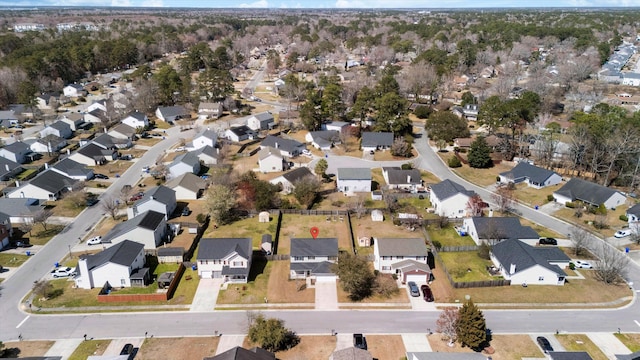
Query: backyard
[298, 226]
[245, 228]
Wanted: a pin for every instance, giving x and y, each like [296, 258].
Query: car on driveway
[96, 240]
[544, 344]
[127, 350]
[548, 241]
[186, 211]
[360, 341]
[100, 176]
[427, 294]
[23, 244]
[413, 289]
[582, 264]
[622, 233]
[63, 272]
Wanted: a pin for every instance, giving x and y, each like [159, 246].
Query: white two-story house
[406, 257]
[225, 258]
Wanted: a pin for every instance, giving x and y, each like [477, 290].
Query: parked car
[23, 244]
[63, 272]
[427, 293]
[91, 201]
[413, 289]
[582, 264]
[622, 233]
[544, 344]
[127, 350]
[360, 341]
[186, 211]
[548, 241]
[306, 152]
[100, 176]
[96, 240]
[145, 169]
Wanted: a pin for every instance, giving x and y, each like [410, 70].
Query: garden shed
[266, 244]
[376, 215]
[264, 217]
[170, 255]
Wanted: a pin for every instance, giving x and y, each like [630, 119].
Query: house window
[386, 258]
[298, 258]
[541, 278]
[400, 257]
[237, 263]
[334, 258]
[386, 268]
[311, 257]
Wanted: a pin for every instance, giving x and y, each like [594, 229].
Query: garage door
[421, 278]
[328, 278]
[205, 274]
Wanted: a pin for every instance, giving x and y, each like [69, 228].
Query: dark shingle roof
[403, 177]
[122, 253]
[241, 130]
[218, 248]
[17, 147]
[52, 139]
[287, 145]
[149, 220]
[325, 137]
[124, 129]
[94, 151]
[60, 126]
[535, 174]
[314, 247]
[297, 174]
[52, 181]
[170, 251]
[503, 228]
[447, 188]
[71, 167]
[374, 139]
[401, 247]
[524, 256]
[354, 173]
[263, 116]
[136, 115]
[188, 181]
[189, 158]
[570, 355]
[592, 193]
[20, 206]
[238, 353]
[7, 163]
[160, 193]
[171, 111]
[634, 210]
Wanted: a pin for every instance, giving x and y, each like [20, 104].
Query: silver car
[413, 289]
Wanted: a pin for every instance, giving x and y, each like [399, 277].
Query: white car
[306, 152]
[582, 264]
[622, 233]
[96, 240]
[63, 272]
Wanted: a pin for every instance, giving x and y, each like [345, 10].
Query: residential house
[17, 152]
[288, 147]
[406, 257]
[450, 199]
[470, 111]
[148, 228]
[5, 230]
[533, 176]
[22, 111]
[633, 217]
[172, 113]
[225, 258]
[9, 169]
[204, 138]
[160, 199]
[123, 132]
[110, 142]
[408, 180]
[136, 120]
[632, 356]
[270, 160]
[20, 210]
[73, 119]
[187, 186]
[97, 105]
[411, 355]
[121, 266]
[208, 155]
[170, 255]
[47, 145]
[184, 163]
[58, 128]
[573, 355]
[311, 257]
[238, 353]
[288, 180]
[525, 264]
[261, 121]
[207, 110]
[45, 101]
[96, 116]
[48, 185]
[74, 91]
[8, 118]
[73, 169]
[495, 229]
[352, 180]
[589, 193]
[92, 155]
[372, 141]
[240, 133]
[323, 140]
[465, 143]
[338, 126]
[351, 353]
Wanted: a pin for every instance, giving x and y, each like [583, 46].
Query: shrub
[549, 197]
[337, 203]
[396, 222]
[484, 251]
[624, 217]
[454, 162]
[570, 205]
[600, 210]
[201, 218]
[437, 244]
[422, 112]
[572, 266]
[406, 166]
[463, 150]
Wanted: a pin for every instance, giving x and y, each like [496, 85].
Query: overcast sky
[325, 3]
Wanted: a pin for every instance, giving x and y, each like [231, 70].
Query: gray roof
[94, 151]
[170, 251]
[374, 139]
[171, 111]
[297, 174]
[17, 147]
[60, 126]
[315, 268]
[52, 139]
[325, 137]
[354, 173]
[160, 193]
[633, 356]
[634, 210]
[188, 181]
[218, 248]
[398, 176]
[524, 256]
[569, 355]
[72, 168]
[266, 151]
[535, 174]
[189, 158]
[445, 356]
[124, 129]
[238, 353]
[52, 181]
[503, 228]
[207, 150]
[287, 145]
[241, 130]
[122, 253]
[401, 247]
[208, 133]
[351, 353]
[105, 141]
[137, 115]
[149, 220]
[20, 206]
[314, 247]
[4, 163]
[592, 193]
[447, 188]
[264, 116]
[8, 115]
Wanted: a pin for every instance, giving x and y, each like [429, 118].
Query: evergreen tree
[471, 327]
[480, 154]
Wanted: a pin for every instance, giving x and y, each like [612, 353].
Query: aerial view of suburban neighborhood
[304, 184]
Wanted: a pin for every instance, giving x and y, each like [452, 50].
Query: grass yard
[178, 348]
[298, 226]
[150, 141]
[88, 348]
[400, 298]
[386, 346]
[541, 230]
[112, 168]
[481, 177]
[310, 347]
[27, 348]
[507, 347]
[415, 205]
[449, 237]
[466, 266]
[581, 342]
[612, 219]
[531, 196]
[282, 290]
[249, 227]
[12, 260]
[631, 341]
[65, 207]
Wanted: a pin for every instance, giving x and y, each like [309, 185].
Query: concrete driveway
[416, 342]
[326, 295]
[206, 295]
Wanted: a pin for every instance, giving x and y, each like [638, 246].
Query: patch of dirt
[282, 290]
[310, 347]
[27, 348]
[386, 347]
[178, 348]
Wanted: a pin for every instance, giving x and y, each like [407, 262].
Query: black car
[427, 293]
[127, 349]
[544, 344]
[359, 341]
[23, 244]
[548, 241]
[101, 176]
[91, 201]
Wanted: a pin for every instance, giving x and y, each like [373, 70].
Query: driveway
[116, 345]
[418, 303]
[206, 295]
[326, 294]
[416, 342]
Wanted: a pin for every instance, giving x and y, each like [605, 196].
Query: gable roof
[325, 137]
[634, 210]
[171, 111]
[71, 167]
[207, 106]
[136, 115]
[52, 181]
[94, 151]
[188, 181]
[60, 126]
[219, 248]
[20, 206]
[287, 145]
[149, 220]
[160, 193]
[524, 256]
[241, 130]
[122, 253]
[7, 166]
[354, 174]
[263, 116]
[351, 353]
[401, 247]
[267, 151]
[207, 150]
[52, 139]
[398, 176]
[314, 247]
[502, 228]
[124, 129]
[238, 353]
[189, 158]
[592, 193]
[447, 188]
[208, 133]
[373, 139]
[525, 170]
[297, 174]
[17, 147]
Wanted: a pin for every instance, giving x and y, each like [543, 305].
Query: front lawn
[581, 342]
[631, 341]
[89, 348]
[12, 260]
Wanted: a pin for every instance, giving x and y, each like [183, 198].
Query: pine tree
[480, 154]
[471, 328]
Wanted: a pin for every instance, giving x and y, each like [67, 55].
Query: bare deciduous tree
[357, 205]
[111, 206]
[612, 266]
[42, 217]
[579, 238]
[503, 198]
[475, 205]
[446, 324]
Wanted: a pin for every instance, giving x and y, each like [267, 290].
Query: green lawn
[88, 348]
[12, 260]
[466, 266]
[252, 292]
[631, 341]
[249, 227]
[449, 237]
[581, 342]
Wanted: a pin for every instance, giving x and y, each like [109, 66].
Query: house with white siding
[406, 257]
[122, 266]
[450, 199]
[314, 258]
[48, 185]
[225, 258]
[187, 186]
[524, 264]
[160, 199]
[136, 120]
[589, 193]
[352, 180]
[148, 228]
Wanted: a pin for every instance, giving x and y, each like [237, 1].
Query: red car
[427, 293]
